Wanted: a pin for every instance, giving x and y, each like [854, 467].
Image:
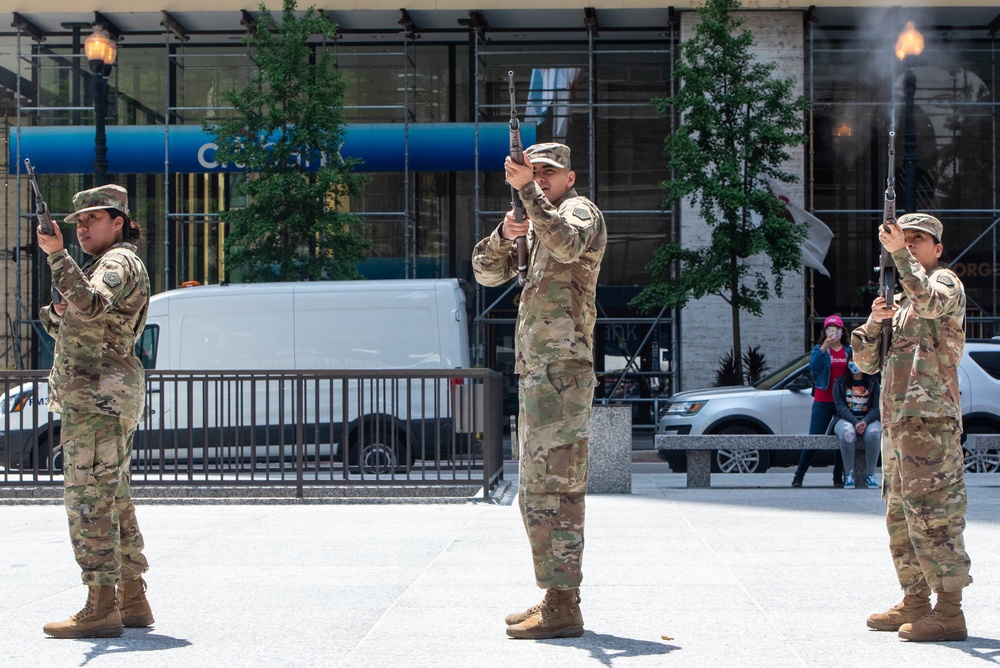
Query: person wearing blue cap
[855, 398]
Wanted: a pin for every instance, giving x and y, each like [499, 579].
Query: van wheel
[739, 461]
[43, 455]
[375, 457]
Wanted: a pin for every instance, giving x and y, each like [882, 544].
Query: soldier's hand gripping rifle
[517, 155]
[887, 268]
[45, 224]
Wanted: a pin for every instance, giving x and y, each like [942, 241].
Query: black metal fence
[302, 428]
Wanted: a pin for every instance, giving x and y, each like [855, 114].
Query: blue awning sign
[187, 149]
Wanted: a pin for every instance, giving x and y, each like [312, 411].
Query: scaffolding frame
[486, 56]
[28, 281]
[24, 321]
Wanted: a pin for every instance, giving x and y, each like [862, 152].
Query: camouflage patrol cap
[550, 153]
[923, 222]
[110, 196]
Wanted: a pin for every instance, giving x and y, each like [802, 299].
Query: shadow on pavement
[608, 648]
[979, 648]
[133, 640]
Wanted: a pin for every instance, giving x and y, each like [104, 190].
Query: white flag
[818, 237]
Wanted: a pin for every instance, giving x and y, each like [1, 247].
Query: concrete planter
[610, 450]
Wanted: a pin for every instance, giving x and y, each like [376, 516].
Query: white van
[399, 325]
[404, 324]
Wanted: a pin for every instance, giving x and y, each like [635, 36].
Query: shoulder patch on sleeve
[112, 279]
[945, 279]
[582, 213]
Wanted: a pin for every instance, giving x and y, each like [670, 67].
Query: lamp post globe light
[101, 51]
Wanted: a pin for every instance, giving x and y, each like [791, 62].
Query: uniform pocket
[79, 444]
[557, 438]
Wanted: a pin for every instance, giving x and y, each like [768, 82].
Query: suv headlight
[682, 408]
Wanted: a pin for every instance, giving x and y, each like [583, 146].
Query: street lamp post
[909, 45]
[101, 51]
[909, 139]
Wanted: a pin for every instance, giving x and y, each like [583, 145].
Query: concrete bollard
[610, 450]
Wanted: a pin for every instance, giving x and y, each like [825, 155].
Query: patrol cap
[923, 222]
[550, 153]
[110, 196]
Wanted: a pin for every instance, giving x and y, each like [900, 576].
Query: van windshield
[145, 347]
[769, 381]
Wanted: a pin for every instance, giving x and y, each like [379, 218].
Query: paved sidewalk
[750, 574]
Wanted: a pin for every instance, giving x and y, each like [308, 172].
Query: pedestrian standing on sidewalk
[827, 363]
[922, 463]
[856, 398]
[98, 386]
[554, 358]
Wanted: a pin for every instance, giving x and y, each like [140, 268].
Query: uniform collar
[569, 194]
[122, 244]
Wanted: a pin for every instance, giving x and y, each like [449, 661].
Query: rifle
[517, 155]
[887, 268]
[41, 208]
[45, 224]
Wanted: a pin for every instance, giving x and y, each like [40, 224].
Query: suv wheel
[740, 461]
[980, 461]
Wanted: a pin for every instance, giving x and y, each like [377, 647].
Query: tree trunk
[734, 289]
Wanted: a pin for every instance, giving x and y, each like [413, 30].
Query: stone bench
[700, 448]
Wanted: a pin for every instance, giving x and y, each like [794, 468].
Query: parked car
[781, 404]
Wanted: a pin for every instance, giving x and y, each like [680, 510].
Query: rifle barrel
[517, 155]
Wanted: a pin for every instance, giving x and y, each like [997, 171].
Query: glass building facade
[584, 83]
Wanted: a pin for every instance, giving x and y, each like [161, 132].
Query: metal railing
[301, 428]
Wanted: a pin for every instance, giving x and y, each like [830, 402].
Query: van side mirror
[800, 383]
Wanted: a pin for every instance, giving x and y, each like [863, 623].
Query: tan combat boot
[518, 617]
[98, 619]
[132, 604]
[945, 622]
[558, 616]
[913, 607]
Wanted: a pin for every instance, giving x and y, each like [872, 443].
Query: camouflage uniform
[554, 359]
[922, 460]
[98, 385]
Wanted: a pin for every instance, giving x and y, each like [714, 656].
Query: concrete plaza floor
[748, 573]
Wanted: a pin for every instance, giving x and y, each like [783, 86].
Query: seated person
[855, 398]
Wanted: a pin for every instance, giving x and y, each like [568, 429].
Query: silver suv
[781, 404]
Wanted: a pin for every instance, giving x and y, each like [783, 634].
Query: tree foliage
[288, 119]
[736, 122]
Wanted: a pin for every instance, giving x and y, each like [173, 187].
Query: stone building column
[706, 324]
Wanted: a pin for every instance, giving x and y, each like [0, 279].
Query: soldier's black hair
[131, 232]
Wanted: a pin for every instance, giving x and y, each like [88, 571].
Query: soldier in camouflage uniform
[554, 335]
[98, 385]
[924, 483]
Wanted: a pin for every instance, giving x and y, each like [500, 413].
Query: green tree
[289, 118]
[736, 121]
